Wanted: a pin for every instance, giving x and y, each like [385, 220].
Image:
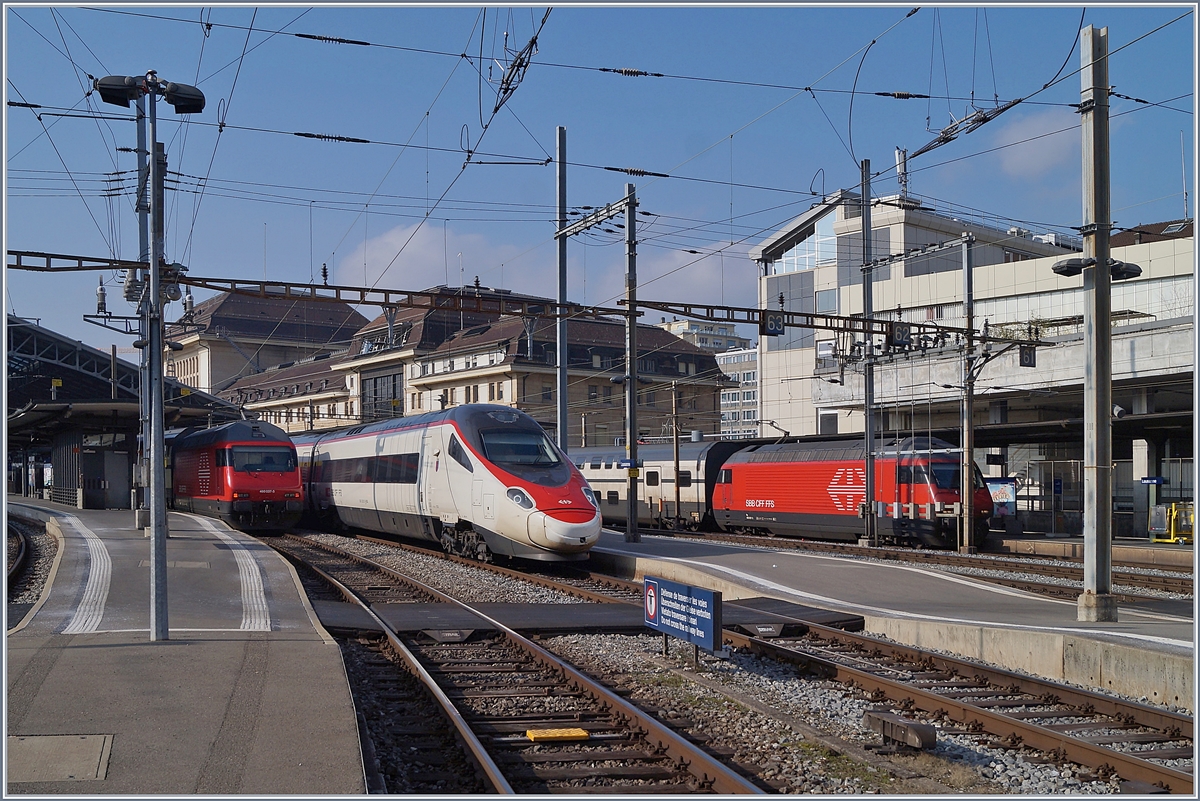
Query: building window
[608, 394]
[827, 301]
[827, 423]
[750, 377]
[750, 414]
[475, 393]
[751, 395]
[547, 393]
[819, 247]
[593, 393]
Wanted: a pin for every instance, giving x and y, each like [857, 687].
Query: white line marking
[95, 594]
[256, 615]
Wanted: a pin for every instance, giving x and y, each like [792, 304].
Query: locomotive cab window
[725, 476]
[455, 449]
[518, 447]
[911, 474]
[684, 478]
[263, 459]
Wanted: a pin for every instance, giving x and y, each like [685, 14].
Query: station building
[418, 360]
[74, 418]
[1028, 420]
[230, 335]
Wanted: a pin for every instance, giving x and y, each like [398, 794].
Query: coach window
[614, 497]
[651, 478]
[595, 462]
[685, 478]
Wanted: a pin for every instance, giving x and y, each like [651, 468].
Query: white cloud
[1043, 159]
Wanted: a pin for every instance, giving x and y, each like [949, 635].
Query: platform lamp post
[119, 90]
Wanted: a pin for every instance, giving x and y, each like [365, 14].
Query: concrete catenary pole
[631, 367]
[560, 161]
[868, 364]
[1096, 604]
[159, 629]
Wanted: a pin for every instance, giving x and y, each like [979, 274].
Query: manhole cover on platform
[58, 758]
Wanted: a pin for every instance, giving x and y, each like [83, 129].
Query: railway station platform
[1141, 551]
[247, 696]
[1146, 653]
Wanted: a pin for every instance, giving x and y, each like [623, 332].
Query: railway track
[1149, 747]
[1173, 581]
[527, 722]
[18, 550]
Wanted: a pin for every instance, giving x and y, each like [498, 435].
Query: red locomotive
[816, 489]
[244, 473]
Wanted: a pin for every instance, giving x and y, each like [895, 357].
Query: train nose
[571, 529]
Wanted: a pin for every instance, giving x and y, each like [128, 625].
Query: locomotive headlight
[591, 496]
[519, 497]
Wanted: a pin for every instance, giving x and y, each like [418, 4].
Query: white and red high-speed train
[479, 479]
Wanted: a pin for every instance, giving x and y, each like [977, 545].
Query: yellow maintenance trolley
[1172, 522]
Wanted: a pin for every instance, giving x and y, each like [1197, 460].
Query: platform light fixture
[1118, 270]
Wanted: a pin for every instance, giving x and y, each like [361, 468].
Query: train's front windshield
[263, 459]
[948, 475]
[509, 447]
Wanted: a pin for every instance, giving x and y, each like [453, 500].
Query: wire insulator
[332, 138]
[331, 39]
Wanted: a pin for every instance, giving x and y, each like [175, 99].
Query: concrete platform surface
[1144, 654]
[248, 695]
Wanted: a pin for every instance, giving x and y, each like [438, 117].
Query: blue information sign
[1058, 486]
[689, 613]
[1153, 480]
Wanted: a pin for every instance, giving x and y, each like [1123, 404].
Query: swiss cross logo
[848, 488]
[651, 599]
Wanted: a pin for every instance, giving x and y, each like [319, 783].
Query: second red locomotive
[244, 473]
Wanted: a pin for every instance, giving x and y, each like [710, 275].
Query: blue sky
[746, 146]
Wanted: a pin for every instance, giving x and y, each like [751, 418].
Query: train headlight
[519, 497]
[591, 496]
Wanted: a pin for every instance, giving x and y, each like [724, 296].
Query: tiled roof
[287, 320]
[1151, 232]
[293, 377]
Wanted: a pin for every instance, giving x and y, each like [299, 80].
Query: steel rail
[470, 740]
[710, 772]
[18, 563]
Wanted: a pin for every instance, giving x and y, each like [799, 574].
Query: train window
[223, 457]
[455, 449]
[685, 478]
[518, 447]
[595, 462]
[399, 468]
[945, 474]
[263, 459]
[651, 478]
[911, 474]
[725, 476]
[608, 465]
[614, 497]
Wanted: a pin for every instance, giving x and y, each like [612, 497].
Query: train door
[396, 484]
[723, 491]
[653, 494]
[435, 499]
